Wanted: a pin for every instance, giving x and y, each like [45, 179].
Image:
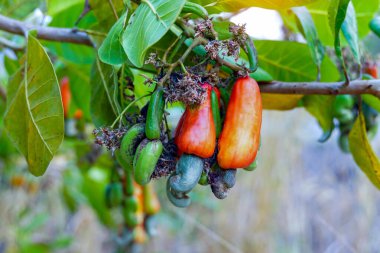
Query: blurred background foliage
[304, 196]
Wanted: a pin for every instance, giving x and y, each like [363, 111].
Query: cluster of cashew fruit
[212, 140]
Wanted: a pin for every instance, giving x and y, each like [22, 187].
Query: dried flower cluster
[213, 48]
[154, 60]
[204, 29]
[186, 90]
[229, 47]
[108, 137]
[238, 33]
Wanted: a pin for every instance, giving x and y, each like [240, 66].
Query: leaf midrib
[27, 100]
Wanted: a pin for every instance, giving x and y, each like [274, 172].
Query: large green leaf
[261, 75]
[291, 61]
[111, 51]
[372, 101]
[365, 11]
[310, 33]
[56, 6]
[147, 25]
[102, 106]
[34, 117]
[104, 12]
[350, 32]
[18, 9]
[362, 151]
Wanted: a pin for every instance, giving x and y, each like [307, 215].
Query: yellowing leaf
[232, 5]
[362, 151]
[34, 117]
[269, 4]
[280, 102]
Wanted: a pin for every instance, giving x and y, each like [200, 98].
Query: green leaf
[102, 107]
[320, 106]
[11, 66]
[372, 101]
[103, 11]
[56, 6]
[291, 61]
[362, 151]
[140, 88]
[66, 17]
[18, 9]
[350, 32]
[34, 117]
[337, 15]
[261, 75]
[147, 25]
[111, 51]
[365, 10]
[310, 33]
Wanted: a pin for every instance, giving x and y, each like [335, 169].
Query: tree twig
[10, 44]
[356, 87]
[46, 33]
[86, 10]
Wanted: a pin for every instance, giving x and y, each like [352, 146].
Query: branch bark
[46, 33]
[317, 88]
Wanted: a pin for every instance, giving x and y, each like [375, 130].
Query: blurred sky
[261, 23]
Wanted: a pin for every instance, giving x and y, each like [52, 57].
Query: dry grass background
[304, 197]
